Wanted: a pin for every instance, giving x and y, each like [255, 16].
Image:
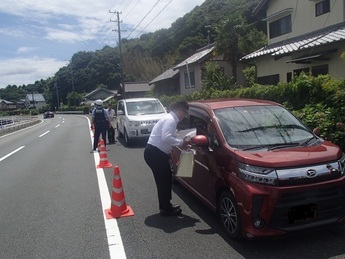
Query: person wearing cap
[92, 107]
[100, 122]
[157, 154]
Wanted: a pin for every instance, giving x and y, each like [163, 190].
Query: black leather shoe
[170, 212]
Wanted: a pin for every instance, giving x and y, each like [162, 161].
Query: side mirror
[317, 132]
[200, 141]
[119, 112]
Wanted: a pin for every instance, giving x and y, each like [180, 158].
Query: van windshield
[144, 107]
[256, 127]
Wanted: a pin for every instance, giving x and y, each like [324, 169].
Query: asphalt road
[51, 207]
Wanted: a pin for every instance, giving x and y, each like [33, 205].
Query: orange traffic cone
[93, 131]
[118, 208]
[103, 158]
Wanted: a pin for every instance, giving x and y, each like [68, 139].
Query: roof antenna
[208, 27]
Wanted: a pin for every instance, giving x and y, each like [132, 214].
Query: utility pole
[120, 50]
[57, 95]
[72, 78]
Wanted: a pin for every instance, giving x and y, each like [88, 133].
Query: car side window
[205, 127]
[120, 106]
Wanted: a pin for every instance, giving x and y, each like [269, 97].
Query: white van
[136, 117]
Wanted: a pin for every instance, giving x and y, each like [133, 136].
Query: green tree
[215, 79]
[235, 38]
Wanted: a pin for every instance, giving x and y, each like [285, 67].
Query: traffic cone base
[128, 212]
[118, 208]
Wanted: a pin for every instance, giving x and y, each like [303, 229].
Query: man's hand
[186, 142]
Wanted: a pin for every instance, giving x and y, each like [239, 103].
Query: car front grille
[309, 174]
[149, 122]
[328, 203]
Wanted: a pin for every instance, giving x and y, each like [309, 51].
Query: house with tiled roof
[7, 105]
[137, 89]
[167, 83]
[99, 93]
[35, 101]
[306, 35]
[187, 76]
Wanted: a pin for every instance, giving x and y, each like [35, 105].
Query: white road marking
[57, 126]
[4, 157]
[44, 134]
[116, 248]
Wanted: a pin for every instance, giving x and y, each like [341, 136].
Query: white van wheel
[118, 131]
[127, 140]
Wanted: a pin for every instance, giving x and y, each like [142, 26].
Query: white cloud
[23, 50]
[45, 28]
[27, 70]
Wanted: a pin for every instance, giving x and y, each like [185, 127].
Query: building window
[280, 27]
[322, 7]
[189, 80]
[319, 70]
[297, 72]
[269, 80]
[288, 77]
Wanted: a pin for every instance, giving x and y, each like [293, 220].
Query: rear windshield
[144, 107]
[260, 126]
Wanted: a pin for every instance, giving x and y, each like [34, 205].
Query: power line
[143, 18]
[154, 18]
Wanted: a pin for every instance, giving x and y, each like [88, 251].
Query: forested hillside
[146, 57]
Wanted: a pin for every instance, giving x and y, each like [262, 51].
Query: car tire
[229, 215]
[119, 134]
[127, 139]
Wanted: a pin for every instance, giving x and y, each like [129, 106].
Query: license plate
[302, 213]
[145, 131]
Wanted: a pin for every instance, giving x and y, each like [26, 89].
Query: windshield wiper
[272, 146]
[306, 143]
[288, 126]
[283, 145]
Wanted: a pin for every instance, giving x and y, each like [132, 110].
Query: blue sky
[38, 37]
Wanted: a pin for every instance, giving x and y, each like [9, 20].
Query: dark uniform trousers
[101, 126]
[159, 162]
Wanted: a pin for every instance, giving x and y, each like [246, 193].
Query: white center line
[44, 134]
[4, 157]
[116, 248]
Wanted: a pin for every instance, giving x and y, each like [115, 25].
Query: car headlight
[257, 174]
[134, 123]
[342, 164]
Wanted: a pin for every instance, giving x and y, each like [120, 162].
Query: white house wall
[303, 16]
[266, 65]
[337, 66]
[197, 71]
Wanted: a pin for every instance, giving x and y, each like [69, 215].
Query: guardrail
[69, 112]
[13, 123]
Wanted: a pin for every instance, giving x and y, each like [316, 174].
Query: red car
[260, 169]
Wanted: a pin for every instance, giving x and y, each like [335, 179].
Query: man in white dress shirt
[157, 154]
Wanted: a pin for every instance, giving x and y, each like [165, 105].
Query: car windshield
[144, 107]
[257, 127]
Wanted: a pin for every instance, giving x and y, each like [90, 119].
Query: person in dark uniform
[100, 122]
[157, 155]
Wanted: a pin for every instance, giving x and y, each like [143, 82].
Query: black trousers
[111, 134]
[99, 129]
[159, 162]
